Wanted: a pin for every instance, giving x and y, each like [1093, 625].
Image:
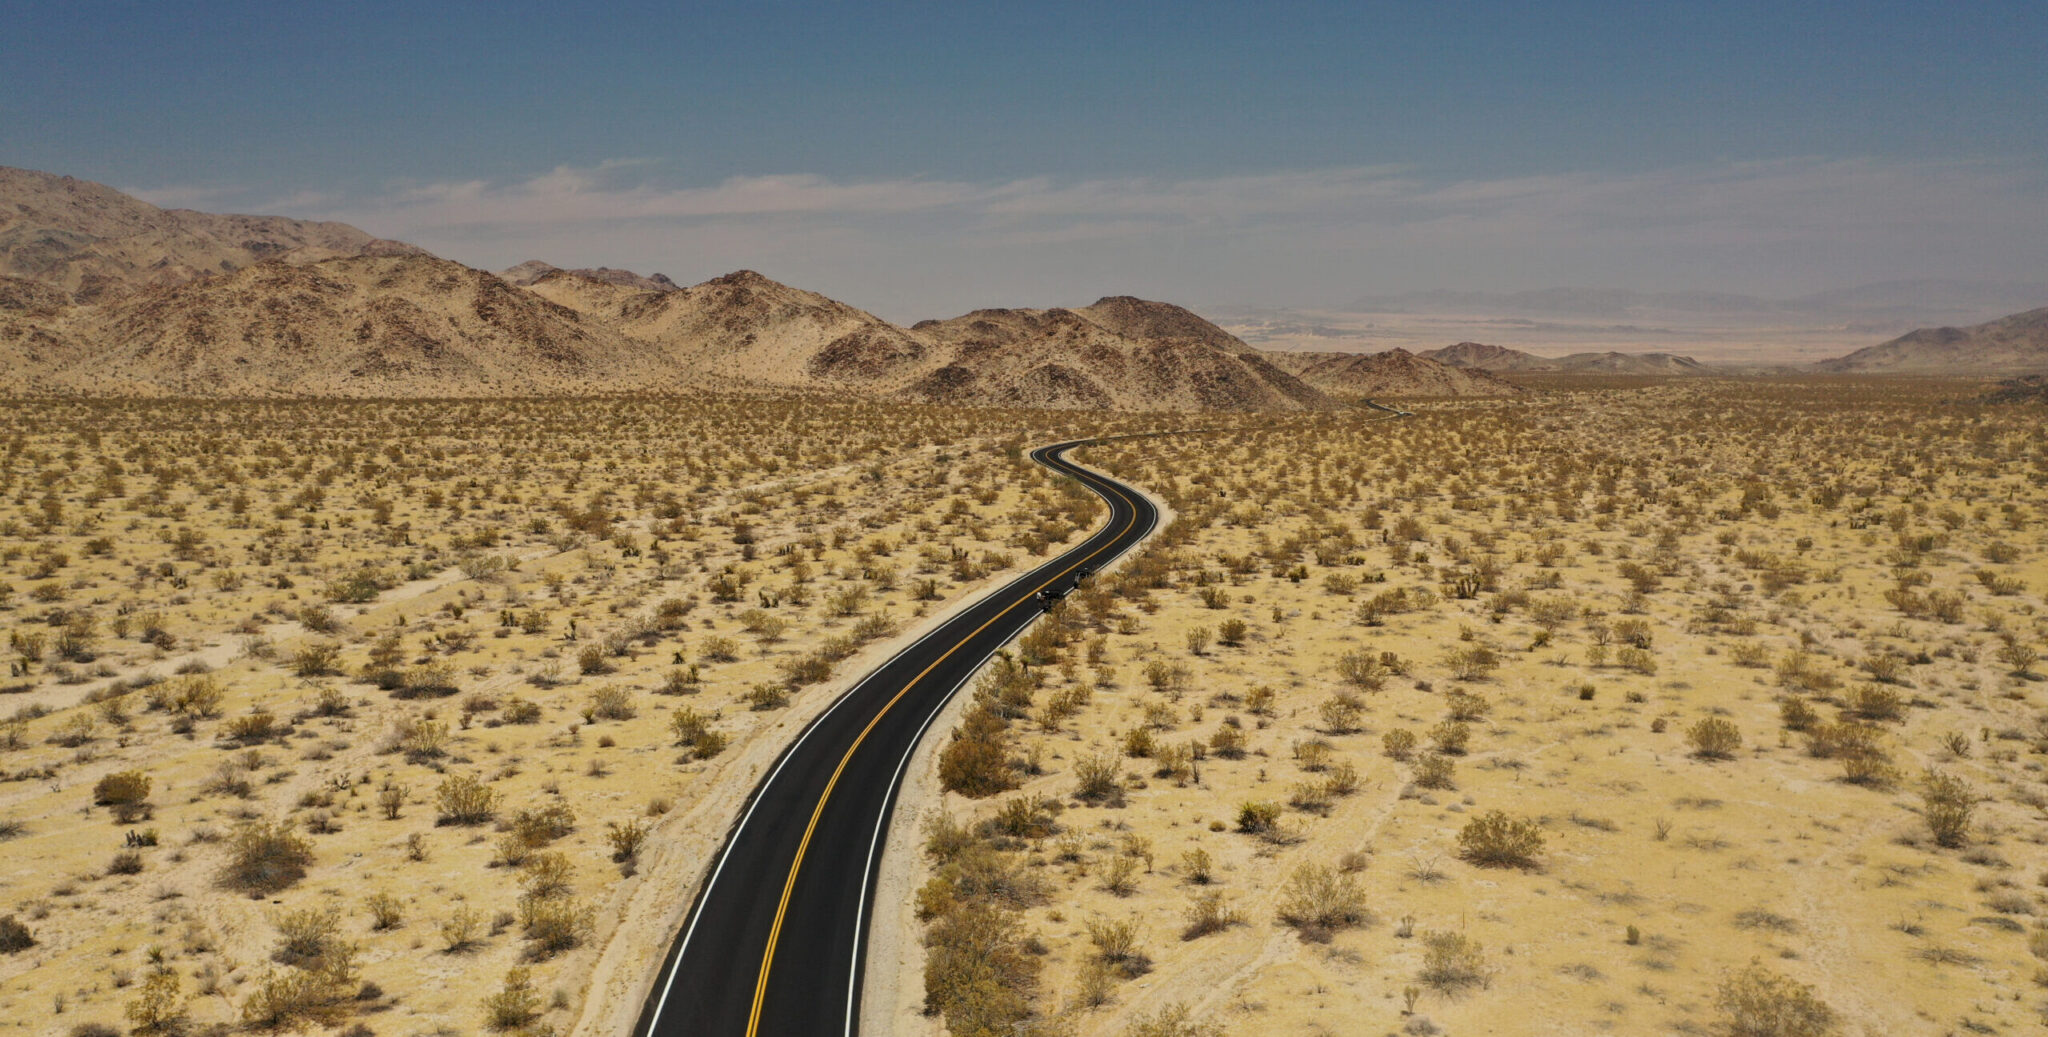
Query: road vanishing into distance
[775, 942]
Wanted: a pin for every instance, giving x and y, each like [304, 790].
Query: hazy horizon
[920, 162]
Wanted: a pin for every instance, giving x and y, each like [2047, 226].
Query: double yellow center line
[789, 885]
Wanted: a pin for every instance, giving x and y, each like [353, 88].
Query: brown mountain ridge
[2004, 346]
[104, 294]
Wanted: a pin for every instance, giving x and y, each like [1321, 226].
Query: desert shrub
[318, 659]
[1714, 738]
[815, 668]
[693, 730]
[306, 936]
[1796, 713]
[1496, 840]
[297, 997]
[459, 931]
[251, 728]
[1209, 913]
[1399, 743]
[979, 974]
[1842, 740]
[626, 839]
[1228, 742]
[1318, 900]
[974, 763]
[1757, 1002]
[1175, 1020]
[1801, 672]
[2018, 656]
[1025, 817]
[1116, 947]
[431, 680]
[159, 1006]
[767, 695]
[1637, 660]
[1474, 663]
[1451, 737]
[1435, 771]
[1259, 701]
[198, 695]
[553, 924]
[1452, 962]
[515, 1005]
[1258, 818]
[1873, 702]
[1870, 767]
[464, 800]
[1139, 743]
[1341, 714]
[1362, 670]
[265, 856]
[539, 826]
[1947, 804]
[386, 911]
[1465, 707]
[14, 936]
[127, 792]
[610, 703]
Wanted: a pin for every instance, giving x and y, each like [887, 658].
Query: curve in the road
[775, 941]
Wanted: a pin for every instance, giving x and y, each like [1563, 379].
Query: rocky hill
[1486, 358]
[744, 329]
[93, 242]
[2007, 345]
[363, 326]
[1118, 354]
[1501, 359]
[1394, 373]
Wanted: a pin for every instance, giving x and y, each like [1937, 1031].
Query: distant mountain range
[104, 294]
[1873, 305]
[1501, 359]
[1393, 373]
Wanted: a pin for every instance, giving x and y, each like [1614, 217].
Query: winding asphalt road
[775, 942]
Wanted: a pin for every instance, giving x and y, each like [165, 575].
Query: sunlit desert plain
[1644, 707]
[1692, 708]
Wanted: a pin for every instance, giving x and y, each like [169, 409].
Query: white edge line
[732, 836]
[853, 975]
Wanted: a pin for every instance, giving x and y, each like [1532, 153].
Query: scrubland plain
[423, 717]
[1697, 707]
[1689, 708]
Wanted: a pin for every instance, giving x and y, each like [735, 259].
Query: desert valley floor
[1617, 706]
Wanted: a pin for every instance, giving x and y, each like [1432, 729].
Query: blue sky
[920, 159]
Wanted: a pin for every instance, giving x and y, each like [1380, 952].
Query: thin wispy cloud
[915, 246]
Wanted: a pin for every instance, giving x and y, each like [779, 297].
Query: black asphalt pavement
[775, 941]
